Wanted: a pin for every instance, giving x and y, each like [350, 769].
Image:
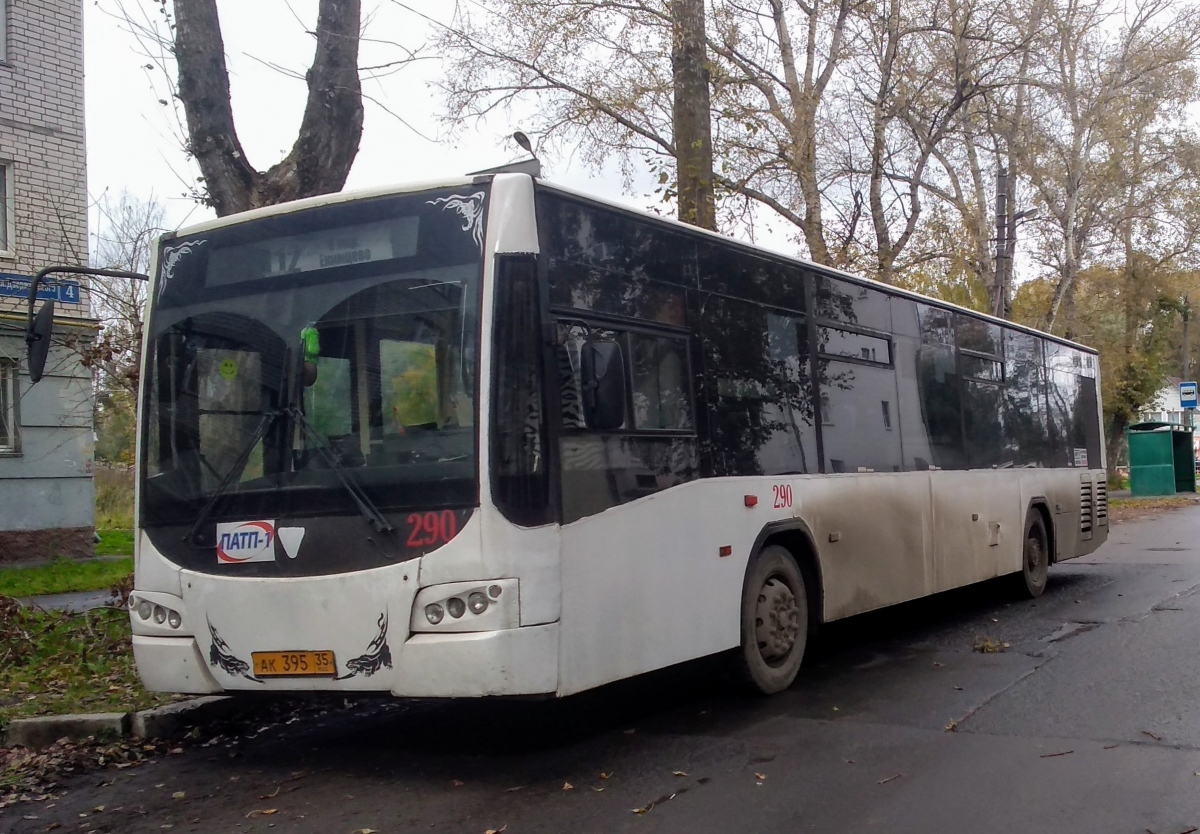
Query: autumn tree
[187, 43]
[124, 238]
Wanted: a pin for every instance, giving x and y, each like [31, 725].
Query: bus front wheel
[1035, 557]
[774, 621]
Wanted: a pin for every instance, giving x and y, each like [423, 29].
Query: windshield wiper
[234, 472]
[365, 506]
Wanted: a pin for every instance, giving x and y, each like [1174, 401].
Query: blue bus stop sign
[1187, 395]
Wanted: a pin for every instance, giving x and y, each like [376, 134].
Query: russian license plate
[293, 664]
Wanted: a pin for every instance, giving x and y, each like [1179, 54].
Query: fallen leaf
[1152, 735]
[458, 783]
[607, 775]
[951, 726]
[935, 663]
[265, 812]
[567, 786]
[959, 688]
[368, 831]
[1055, 755]
[496, 830]
[513, 790]
[598, 790]
[678, 773]
[760, 776]
[272, 794]
[890, 778]
[178, 795]
[848, 761]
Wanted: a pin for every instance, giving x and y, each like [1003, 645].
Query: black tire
[1035, 557]
[774, 621]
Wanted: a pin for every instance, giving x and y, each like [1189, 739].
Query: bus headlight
[156, 614]
[486, 605]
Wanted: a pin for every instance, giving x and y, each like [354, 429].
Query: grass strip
[54, 663]
[115, 543]
[64, 576]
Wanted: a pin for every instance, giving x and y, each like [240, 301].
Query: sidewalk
[74, 603]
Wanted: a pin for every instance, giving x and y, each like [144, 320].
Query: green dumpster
[1161, 459]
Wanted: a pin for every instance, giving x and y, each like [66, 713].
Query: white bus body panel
[340, 612]
[641, 592]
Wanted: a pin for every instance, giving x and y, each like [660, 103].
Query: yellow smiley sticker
[228, 369]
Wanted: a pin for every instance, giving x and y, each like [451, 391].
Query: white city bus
[494, 437]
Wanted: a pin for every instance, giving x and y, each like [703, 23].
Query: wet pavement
[1087, 721]
[74, 603]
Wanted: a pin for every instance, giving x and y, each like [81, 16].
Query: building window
[6, 200]
[3, 31]
[887, 414]
[10, 440]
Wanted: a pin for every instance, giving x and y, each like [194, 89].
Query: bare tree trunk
[691, 114]
[330, 130]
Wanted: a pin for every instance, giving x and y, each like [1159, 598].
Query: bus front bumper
[514, 661]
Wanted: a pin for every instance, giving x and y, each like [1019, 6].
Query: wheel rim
[1034, 557]
[777, 620]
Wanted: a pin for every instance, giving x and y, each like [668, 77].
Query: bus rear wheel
[1035, 557]
[774, 621]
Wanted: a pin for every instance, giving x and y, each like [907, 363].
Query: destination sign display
[325, 249]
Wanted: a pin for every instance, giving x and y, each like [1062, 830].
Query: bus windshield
[360, 318]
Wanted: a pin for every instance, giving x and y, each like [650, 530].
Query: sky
[135, 142]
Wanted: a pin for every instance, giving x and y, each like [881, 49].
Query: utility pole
[1003, 253]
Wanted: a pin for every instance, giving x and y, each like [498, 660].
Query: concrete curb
[165, 722]
[45, 730]
[174, 720]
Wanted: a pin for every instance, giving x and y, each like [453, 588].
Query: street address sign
[1187, 395]
[17, 286]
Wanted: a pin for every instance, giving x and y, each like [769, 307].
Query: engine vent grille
[1101, 503]
[1086, 508]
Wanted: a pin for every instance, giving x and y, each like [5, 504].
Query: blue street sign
[17, 286]
[1187, 395]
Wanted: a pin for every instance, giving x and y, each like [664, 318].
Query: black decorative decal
[378, 655]
[219, 654]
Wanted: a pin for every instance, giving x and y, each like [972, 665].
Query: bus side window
[661, 396]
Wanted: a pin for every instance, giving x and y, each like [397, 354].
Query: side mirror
[37, 341]
[602, 372]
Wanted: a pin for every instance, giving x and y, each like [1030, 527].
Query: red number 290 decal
[783, 496]
[431, 528]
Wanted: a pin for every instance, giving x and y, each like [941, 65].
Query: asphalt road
[1088, 721]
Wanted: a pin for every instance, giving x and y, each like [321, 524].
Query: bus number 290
[783, 496]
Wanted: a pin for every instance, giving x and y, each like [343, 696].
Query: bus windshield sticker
[1081, 458]
[470, 208]
[245, 541]
[290, 538]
